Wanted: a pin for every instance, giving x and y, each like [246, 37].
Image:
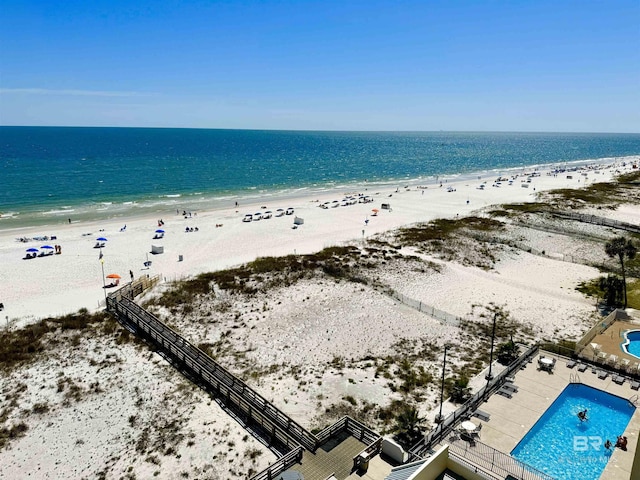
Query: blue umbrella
[47, 247]
[159, 231]
[101, 239]
[32, 249]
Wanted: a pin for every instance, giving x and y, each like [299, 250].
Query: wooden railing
[215, 378]
[280, 465]
[212, 375]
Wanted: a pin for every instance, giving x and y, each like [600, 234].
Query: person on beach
[131, 274]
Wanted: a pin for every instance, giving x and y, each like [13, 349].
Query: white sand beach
[60, 284]
[124, 389]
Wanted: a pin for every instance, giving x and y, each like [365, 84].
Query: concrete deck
[512, 418]
[610, 342]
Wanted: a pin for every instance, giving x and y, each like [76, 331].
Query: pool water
[566, 448]
[631, 345]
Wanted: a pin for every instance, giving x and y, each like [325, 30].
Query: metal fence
[445, 317]
[598, 328]
[424, 446]
[492, 460]
[596, 220]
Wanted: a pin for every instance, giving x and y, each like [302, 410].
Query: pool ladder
[633, 400]
[574, 378]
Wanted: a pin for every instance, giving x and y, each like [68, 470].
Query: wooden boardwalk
[211, 375]
[336, 445]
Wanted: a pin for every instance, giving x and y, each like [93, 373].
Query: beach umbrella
[375, 210]
[32, 249]
[101, 239]
[47, 247]
[113, 275]
[595, 346]
[159, 231]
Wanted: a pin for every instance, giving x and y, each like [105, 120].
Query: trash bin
[363, 465]
[179, 258]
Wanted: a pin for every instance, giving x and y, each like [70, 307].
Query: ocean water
[50, 173]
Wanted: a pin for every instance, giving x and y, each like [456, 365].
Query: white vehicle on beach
[267, 214]
[257, 216]
[289, 211]
[247, 218]
[279, 212]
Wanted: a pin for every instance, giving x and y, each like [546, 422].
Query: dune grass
[23, 345]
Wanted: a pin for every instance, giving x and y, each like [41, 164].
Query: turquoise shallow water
[50, 172]
[566, 448]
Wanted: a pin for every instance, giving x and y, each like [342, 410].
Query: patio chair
[510, 387]
[635, 385]
[618, 379]
[467, 437]
[582, 367]
[484, 416]
[504, 393]
[602, 374]
[571, 364]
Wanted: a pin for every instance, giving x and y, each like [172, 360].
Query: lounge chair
[504, 393]
[635, 385]
[510, 387]
[484, 416]
[602, 374]
[571, 364]
[618, 379]
[582, 367]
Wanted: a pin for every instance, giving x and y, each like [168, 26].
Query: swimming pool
[562, 446]
[631, 344]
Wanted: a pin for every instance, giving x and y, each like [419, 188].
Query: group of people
[191, 229]
[621, 443]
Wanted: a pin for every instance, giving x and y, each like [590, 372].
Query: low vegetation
[23, 345]
[442, 229]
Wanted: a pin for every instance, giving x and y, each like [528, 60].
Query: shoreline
[62, 284]
[106, 211]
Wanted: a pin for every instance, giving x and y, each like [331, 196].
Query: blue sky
[350, 65]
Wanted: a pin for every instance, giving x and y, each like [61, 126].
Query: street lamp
[493, 336]
[104, 284]
[440, 418]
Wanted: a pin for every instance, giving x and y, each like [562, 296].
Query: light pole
[439, 418]
[493, 336]
[104, 285]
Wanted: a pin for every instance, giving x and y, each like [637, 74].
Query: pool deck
[511, 418]
[610, 342]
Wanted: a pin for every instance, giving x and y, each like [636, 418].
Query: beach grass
[441, 229]
[23, 345]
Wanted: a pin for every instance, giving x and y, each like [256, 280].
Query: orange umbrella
[113, 275]
[375, 210]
